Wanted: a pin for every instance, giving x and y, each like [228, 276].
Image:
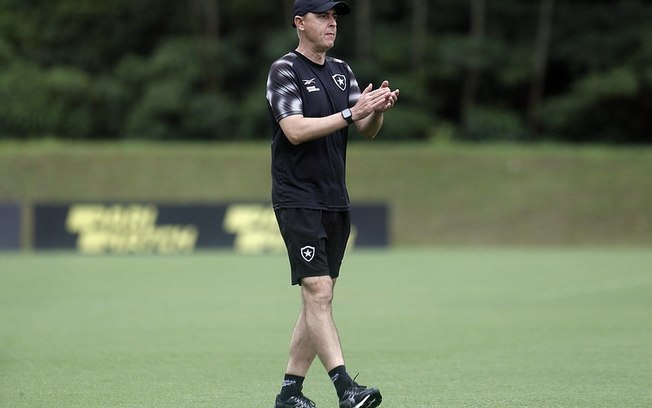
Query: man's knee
[318, 290]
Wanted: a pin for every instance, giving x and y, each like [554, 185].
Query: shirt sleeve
[283, 94]
[354, 88]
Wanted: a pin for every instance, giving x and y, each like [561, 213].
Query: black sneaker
[296, 401]
[359, 396]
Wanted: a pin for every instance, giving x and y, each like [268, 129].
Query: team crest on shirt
[340, 81]
[308, 253]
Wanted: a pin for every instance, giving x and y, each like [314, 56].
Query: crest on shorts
[307, 253]
[340, 81]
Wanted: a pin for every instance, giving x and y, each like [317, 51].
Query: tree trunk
[540, 62]
[363, 32]
[419, 32]
[472, 76]
[205, 17]
[205, 20]
[288, 5]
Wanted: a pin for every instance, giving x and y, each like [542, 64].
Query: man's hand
[374, 100]
[390, 97]
[368, 111]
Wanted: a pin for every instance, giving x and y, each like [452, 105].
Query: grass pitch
[431, 328]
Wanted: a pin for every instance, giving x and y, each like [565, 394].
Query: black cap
[301, 7]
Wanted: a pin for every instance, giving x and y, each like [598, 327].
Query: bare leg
[318, 325]
[302, 353]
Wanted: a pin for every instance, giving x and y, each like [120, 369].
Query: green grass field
[431, 328]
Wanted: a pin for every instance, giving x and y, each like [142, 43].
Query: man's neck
[314, 56]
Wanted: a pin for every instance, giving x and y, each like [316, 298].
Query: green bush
[40, 101]
[6, 52]
[180, 93]
[600, 103]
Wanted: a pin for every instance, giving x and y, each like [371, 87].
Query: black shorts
[315, 240]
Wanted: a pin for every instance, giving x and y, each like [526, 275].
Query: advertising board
[96, 228]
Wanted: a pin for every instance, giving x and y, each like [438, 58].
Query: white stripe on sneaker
[362, 402]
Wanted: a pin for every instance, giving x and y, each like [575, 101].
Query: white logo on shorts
[307, 253]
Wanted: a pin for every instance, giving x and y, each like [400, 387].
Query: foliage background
[475, 70]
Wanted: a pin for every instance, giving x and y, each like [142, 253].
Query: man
[313, 99]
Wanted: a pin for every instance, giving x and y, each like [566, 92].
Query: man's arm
[370, 126]
[300, 130]
[367, 116]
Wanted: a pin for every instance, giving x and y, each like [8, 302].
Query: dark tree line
[195, 69]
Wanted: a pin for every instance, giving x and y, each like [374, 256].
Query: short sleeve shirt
[311, 174]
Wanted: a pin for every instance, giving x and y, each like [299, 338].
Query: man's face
[321, 29]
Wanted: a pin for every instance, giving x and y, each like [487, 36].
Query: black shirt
[311, 174]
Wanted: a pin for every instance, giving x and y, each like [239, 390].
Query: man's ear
[298, 22]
